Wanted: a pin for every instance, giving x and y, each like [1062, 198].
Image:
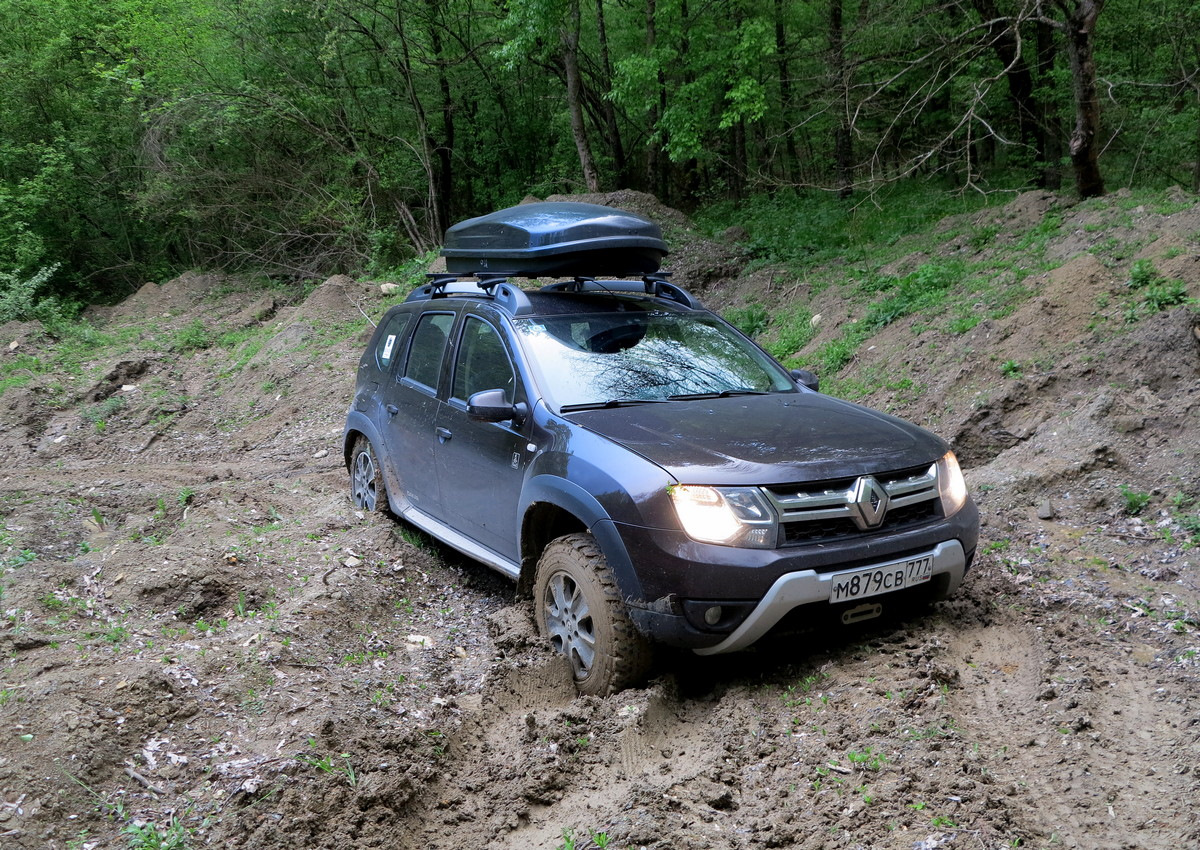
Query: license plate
[872, 581]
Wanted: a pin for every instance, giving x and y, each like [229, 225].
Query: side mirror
[807, 379]
[492, 406]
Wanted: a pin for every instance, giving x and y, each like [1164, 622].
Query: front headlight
[730, 516]
[951, 485]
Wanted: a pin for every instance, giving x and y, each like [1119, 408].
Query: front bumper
[805, 587]
[677, 579]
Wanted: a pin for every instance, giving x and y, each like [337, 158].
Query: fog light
[712, 615]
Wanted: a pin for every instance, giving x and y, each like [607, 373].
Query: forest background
[298, 139]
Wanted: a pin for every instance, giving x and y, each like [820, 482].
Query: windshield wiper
[715, 394]
[612, 402]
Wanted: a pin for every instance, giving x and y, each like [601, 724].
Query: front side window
[645, 356]
[482, 363]
[428, 346]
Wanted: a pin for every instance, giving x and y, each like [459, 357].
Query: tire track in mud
[1071, 743]
[534, 758]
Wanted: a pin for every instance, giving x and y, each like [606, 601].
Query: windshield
[635, 356]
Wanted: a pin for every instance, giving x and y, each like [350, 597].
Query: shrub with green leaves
[21, 299]
[1142, 274]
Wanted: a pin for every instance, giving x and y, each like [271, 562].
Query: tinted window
[482, 362]
[428, 345]
[388, 345]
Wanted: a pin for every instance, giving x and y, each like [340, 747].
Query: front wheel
[367, 490]
[580, 611]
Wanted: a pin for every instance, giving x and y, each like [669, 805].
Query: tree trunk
[1081, 18]
[785, 92]
[570, 54]
[843, 144]
[655, 177]
[609, 110]
[445, 208]
[1052, 135]
[1008, 46]
[433, 211]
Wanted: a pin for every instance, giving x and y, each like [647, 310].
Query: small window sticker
[387, 347]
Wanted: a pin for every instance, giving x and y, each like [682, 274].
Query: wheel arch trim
[586, 508]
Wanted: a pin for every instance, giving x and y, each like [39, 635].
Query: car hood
[767, 439]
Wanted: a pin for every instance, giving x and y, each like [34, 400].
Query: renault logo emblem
[868, 502]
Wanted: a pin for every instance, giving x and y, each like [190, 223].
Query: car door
[377, 364]
[411, 410]
[481, 464]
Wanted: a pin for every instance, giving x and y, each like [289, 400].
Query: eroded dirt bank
[203, 639]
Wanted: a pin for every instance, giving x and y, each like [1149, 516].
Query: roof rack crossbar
[655, 285]
[491, 284]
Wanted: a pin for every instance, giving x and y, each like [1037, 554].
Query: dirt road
[204, 644]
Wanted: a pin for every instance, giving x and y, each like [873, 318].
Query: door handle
[443, 434]
[392, 410]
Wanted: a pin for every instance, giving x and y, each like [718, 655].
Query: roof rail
[493, 285]
[655, 285]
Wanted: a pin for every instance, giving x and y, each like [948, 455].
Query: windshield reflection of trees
[675, 356]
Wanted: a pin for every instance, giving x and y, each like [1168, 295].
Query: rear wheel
[580, 611]
[367, 489]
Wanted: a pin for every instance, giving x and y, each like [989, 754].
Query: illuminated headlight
[731, 516]
[951, 485]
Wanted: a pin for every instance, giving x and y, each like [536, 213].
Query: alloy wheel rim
[569, 623]
[363, 482]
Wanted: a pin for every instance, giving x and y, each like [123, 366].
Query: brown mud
[201, 637]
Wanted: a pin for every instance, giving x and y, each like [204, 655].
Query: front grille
[850, 507]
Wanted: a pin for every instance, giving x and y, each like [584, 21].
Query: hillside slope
[204, 643]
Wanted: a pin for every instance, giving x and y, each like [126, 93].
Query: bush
[1142, 274]
[19, 299]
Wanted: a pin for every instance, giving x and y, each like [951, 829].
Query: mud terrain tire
[580, 611]
[367, 490]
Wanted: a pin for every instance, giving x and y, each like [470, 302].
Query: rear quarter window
[388, 345]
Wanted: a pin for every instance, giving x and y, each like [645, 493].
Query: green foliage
[192, 337]
[1158, 293]
[140, 138]
[147, 836]
[1142, 274]
[1167, 293]
[1134, 501]
[99, 414]
[924, 289]
[24, 299]
[752, 320]
[795, 329]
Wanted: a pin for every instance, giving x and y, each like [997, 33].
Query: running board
[464, 544]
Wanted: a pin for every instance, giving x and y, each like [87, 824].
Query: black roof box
[555, 239]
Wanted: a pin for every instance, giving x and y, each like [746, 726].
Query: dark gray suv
[644, 470]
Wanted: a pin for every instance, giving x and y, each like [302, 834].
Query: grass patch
[803, 229]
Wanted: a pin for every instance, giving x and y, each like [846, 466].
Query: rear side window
[389, 341]
[427, 348]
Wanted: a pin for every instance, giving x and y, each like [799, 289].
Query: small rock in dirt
[1045, 509]
[322, 453]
